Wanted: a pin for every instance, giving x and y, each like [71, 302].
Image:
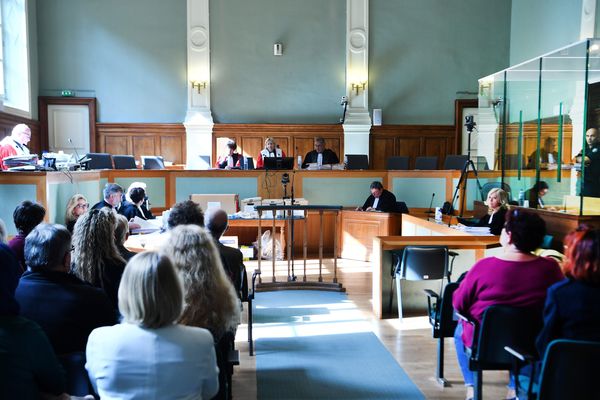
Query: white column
[198, 120]
[358, 122]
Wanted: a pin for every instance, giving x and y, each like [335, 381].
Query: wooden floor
[410, 342]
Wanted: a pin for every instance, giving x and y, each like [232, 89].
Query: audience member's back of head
[121, 229]
[150, 293]
[582, 258]
[137, 194]
[47, 247]
[216, 222]
[211, 301]
[526, 228]
[27, 216]
[186, 213]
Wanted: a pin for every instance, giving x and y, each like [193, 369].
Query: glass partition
[533, 122]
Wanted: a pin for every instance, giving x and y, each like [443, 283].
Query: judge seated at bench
[16, 143]
[320, 155]
[271, 150]
[379, 200]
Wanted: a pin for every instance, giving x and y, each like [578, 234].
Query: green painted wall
[416, 192]
[540, 26]
[244, 187]
[350, 192]
[251, 85]
[60, 193]
[12, 196]
[423, 52]
[131, 55]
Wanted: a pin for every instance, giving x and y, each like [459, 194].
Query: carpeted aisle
[316, 345]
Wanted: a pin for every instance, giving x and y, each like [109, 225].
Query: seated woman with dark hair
[136, 207]
[149, 355]
[26, 216]
[516, 278]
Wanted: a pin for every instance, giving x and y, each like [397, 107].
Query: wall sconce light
[198, 85]
[278, 49]
[358, 86]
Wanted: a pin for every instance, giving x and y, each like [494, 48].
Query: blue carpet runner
[324, 366]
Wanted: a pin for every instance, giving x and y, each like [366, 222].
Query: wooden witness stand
[291, 282]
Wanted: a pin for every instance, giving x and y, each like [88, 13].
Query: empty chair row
[108, 161]
[452, 161]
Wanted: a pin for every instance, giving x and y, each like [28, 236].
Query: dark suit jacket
[66, 308]
[387, 202]
[129, 210]
[233, 262]
[101, 204]
[329, 157]
[571, 312]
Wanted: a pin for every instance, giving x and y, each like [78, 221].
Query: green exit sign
[67, 93]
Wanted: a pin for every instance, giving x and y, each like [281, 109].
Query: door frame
[45, 101]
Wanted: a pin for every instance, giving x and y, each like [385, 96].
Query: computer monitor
[357, 161]
[279, 162]
[153, 162]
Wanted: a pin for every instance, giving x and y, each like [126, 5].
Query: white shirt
[127, 361]
[375, 203]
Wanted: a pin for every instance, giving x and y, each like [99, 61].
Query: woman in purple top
[515, 278]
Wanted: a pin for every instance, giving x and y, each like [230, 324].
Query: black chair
[481, 163]
[227, 358]
[78, 382]
[426, 163]
[415, 263]
[250, 162]
[397, 163]
[357, 161]
[124, 162]
[485, 189]
[250, 297]
[401, 207]
[99, 161]
[153, 162]
[568, 370]
[454, 161]
[443, 324]
[501, 326]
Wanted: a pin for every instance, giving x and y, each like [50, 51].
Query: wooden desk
[439, 235]
[358, 228]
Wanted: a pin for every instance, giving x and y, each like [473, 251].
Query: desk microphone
[430, 211]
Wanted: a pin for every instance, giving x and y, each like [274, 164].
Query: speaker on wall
[377, 116]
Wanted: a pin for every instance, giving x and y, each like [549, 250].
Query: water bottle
[245, 163]
[521, 197]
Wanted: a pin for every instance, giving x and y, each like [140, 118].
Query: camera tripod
[470, 124]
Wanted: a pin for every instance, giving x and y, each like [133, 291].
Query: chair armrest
[233, 357]
[452, 253]
[521, 355]
[431, 293]
[254, 275]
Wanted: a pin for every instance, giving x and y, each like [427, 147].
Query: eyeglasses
[86, 205]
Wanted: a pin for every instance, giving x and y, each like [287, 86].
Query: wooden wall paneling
[284, 144]
[116, 144]
[251, 146]
[382, 148]
[436, 147]
[409, 147]
[8, 122]
[172, 148]
[167, 140]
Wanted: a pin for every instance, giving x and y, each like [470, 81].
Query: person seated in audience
[379, 200]
[571, 310]
[548, 155]
[515, 278]
[111, 197]
[121, 235]
[135, 206]
[29, 368]
[66, 308]
[186, 212]
[232, 159]
[497, 202]
[149, 355]
[77, 206]
[26, 216]
[209, 296]
[15, 144]
[232, 259]
[96, 258]
[320, 155]
[271, 150]
[535, 193]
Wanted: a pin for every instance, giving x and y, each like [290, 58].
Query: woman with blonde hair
[497, 202]
[76, 207]
[96, 258]
[149, 355]
[209, 297]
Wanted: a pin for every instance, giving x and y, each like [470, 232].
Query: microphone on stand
[430, 211]
[78, 161]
